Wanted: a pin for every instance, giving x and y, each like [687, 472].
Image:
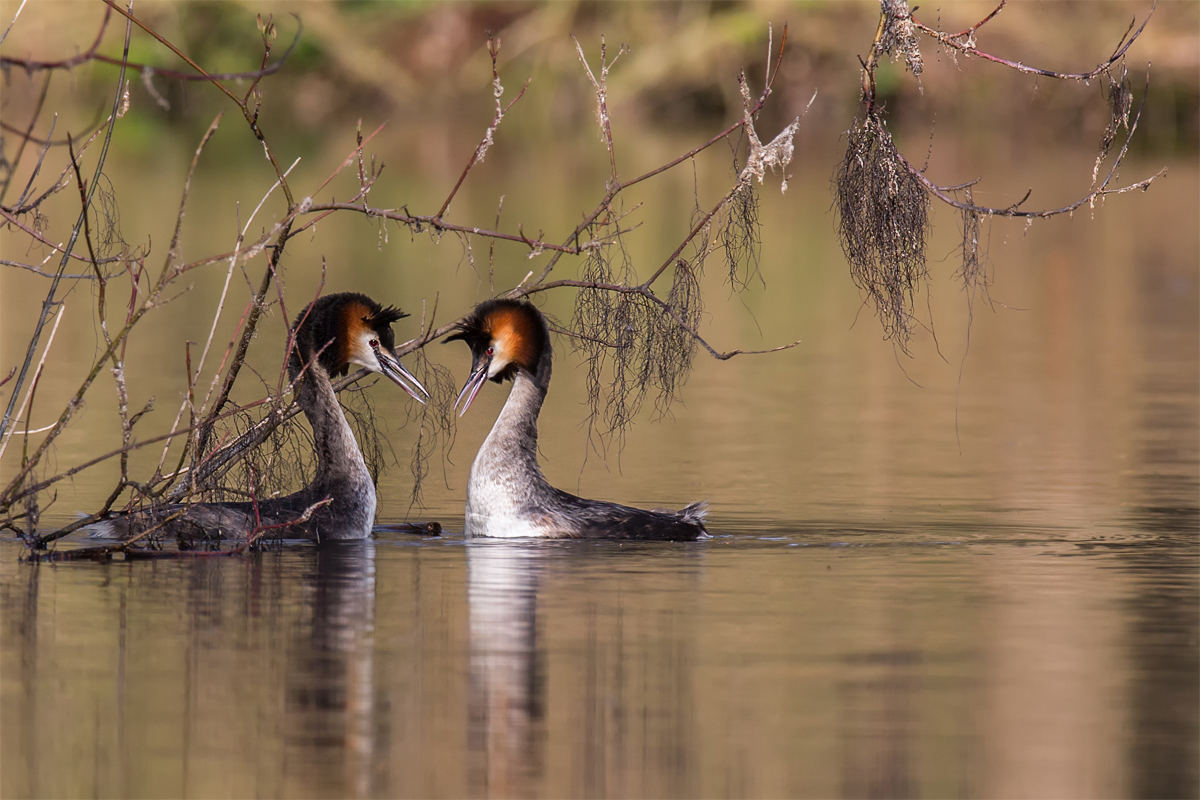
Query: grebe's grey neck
[341, 469]
[505, 478]
[515, 432]
[331, 334]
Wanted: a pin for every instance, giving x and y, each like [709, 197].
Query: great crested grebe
[332, 333]
[506, 494]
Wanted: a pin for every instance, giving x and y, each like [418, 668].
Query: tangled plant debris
[883, 201]
[884, 215]
[638, 334]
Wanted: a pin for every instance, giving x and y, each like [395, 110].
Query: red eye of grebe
[374, 343]
[490, 351]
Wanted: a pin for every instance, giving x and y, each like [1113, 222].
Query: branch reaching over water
[883, 199]
[51, 297]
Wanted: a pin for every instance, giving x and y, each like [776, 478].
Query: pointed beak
[400, 376]
[471, 388]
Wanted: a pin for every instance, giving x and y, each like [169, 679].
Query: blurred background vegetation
[408, 60]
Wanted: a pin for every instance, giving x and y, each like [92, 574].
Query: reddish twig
[260, 530]
[93, 54]
[967, 47]
[943, 192]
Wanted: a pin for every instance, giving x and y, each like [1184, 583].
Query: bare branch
[49, 302]
[1014, 210]
[964, 42]
[28, 395]
[487, 140]
[601, 87]
[92, 54]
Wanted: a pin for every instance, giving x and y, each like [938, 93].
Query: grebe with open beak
[506, 494]
[332, 333]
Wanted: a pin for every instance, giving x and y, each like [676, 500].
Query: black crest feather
[519, 322]
[471, 329]
[474, 327]
[386, 316]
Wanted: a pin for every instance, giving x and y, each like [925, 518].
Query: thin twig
[488, 135]
[968, 47]
[25, 138]
[943, 192]
[20, 8]
[28, 395]
[49, 302]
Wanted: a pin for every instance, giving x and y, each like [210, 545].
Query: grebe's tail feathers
[100, 529]
[695, 513]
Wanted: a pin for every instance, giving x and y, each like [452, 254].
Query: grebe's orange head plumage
[338, 330]
[505, 336]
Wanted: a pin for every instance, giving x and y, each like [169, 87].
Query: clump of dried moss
[883, 222]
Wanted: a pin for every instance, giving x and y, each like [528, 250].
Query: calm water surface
[772, 660]
[965, 577]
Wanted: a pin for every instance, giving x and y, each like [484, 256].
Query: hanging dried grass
[883, 222]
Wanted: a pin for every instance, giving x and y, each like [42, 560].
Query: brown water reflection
[814, 662]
